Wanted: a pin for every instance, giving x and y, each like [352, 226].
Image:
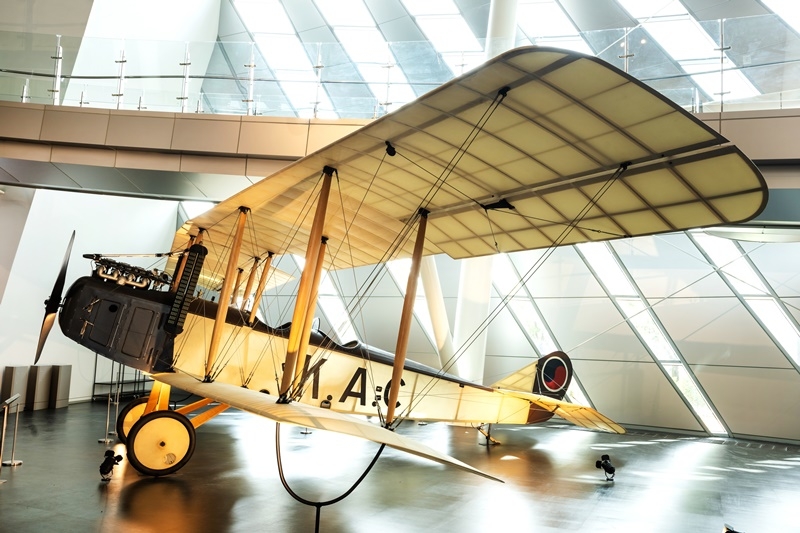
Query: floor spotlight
[608, 468]
[107, 466]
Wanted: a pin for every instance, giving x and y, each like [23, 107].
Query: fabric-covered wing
[308, 416]
[577, 414]
[538, 167]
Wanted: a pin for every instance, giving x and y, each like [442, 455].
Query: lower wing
[579, 415]
[299, 414]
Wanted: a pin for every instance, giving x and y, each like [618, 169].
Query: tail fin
[544, 384]
[548, 376]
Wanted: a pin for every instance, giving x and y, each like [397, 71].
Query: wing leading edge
[576, 150]
[308, 416]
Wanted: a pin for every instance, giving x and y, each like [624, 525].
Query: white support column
[502, 29]
[433, 296]
[475, 284]
[474, 292]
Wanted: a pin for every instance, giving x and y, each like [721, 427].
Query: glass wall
[266, 66]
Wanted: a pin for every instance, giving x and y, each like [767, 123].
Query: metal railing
[235, 78]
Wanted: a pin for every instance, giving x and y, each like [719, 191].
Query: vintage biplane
[535, 149]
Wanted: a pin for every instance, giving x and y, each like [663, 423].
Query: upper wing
[304, 415]
[579, 415]
[567, 124]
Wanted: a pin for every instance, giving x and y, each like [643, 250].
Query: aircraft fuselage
[130, 325]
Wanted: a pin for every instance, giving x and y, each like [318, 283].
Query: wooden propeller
[52, 304]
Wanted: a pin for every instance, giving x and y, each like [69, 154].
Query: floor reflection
[664, 483]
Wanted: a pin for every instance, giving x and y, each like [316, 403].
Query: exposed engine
[125, 274]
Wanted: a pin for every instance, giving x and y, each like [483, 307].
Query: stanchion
[14, 461]
[105, 439]
[6, 404]
[117, 395]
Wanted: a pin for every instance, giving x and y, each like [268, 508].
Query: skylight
[644, 9]
[288, 60]
[376, 64]
[448, 33]
[779, 325]
[681, 36]
[684, 381]
[788, 10]
[539, 18]
[278, 43]
[643, 321]
[345, 13]
[546, 24]
[430, 7]
[264, 16]
[355, 28]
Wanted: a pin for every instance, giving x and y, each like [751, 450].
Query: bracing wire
[508, 297]
[424, 202]
[347, 235]
[221, 362]
[402, 237]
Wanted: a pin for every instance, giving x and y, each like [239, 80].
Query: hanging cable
[319, 505]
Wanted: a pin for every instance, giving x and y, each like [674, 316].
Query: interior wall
[103, 224]
[28, 30]
[46, 16]
[15, 202]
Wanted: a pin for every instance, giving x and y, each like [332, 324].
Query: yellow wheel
[128, 417]
[160, 443]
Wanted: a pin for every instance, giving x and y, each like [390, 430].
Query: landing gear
[161, 443]
[486, 431]
[128, 417]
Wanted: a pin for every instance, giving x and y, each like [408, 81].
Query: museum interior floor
[664, 482]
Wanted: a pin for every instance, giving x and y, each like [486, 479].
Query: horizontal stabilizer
[579, 415]
[303, 415]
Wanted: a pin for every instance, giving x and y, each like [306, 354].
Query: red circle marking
[554, 379]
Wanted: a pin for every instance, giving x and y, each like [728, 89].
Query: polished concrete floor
[664, 483]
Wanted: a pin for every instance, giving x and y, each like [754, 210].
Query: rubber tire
[129, 415]
[161, 443]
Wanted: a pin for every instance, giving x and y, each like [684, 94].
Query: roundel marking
[554, 374]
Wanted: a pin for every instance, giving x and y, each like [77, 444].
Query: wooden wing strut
[225, 292]
[405, 317]
[262, 282]
[305, 290]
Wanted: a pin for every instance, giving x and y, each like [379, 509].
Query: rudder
[548, 376]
